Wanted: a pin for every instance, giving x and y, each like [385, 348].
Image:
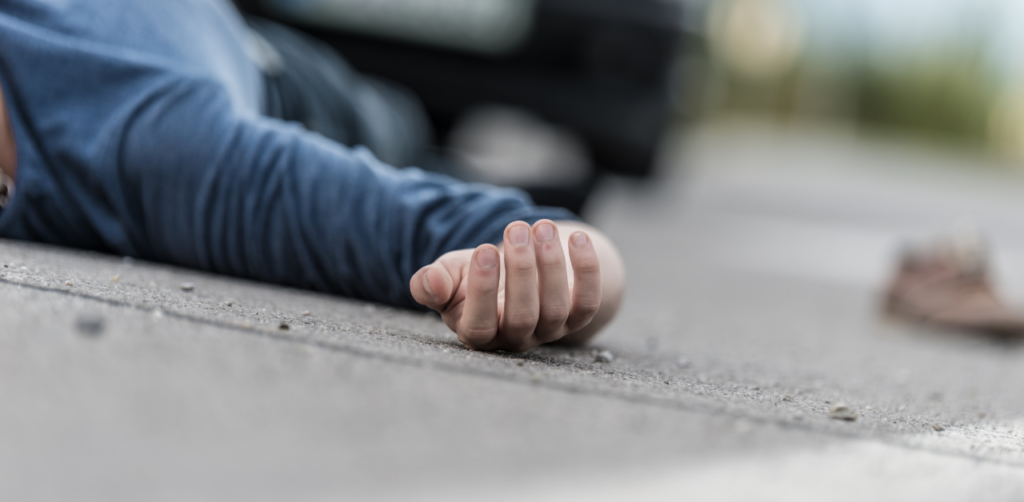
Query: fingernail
[545, 232]
[426, 284]
[579, 239]
[519, 235]
[487, 258]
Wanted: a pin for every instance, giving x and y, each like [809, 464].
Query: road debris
[683, 362]
[787, 399]
[605, 356]
[116, 278]
[938, 427]
[187, 286]
[283, 326]
[68, 283]
[90, 324]
[840, 411]
[306, 313]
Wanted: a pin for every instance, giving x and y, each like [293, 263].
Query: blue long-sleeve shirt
[139, 132]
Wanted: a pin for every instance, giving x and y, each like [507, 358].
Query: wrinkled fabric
[140, 131]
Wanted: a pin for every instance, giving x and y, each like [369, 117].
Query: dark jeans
[307, 81]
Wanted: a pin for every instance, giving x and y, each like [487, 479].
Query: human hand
[518, 296]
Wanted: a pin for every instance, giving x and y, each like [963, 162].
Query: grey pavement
[755, 265]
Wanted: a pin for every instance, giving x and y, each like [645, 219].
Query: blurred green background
[945, 71]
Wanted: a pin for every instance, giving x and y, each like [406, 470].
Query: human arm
[521, 293]
[213, 189]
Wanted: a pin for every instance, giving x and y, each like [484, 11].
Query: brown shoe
[947, 285]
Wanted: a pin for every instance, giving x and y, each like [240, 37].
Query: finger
[432, 286]
[522, 307]
[479, 323]
[552, 281]
[586, 287]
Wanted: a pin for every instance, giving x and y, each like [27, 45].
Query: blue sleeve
[245, 195]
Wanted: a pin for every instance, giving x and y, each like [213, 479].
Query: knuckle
[588, 305]
[555, 313]
[521, 322]
[550, 264]
[486, 289]
[587, 266]
[520, 266]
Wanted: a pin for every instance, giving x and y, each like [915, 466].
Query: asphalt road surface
[755, 264]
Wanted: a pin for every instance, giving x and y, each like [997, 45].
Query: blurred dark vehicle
[604, 69]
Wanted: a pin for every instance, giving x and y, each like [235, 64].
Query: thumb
[432, 286]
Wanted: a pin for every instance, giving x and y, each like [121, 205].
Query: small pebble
[116, 278]
[867, 408]
[283, 326]
[306, 313]
[938, 427]
[519, 363]
[187, 286]
[604, 356]
[842, 412]
[229, 303]
[683, 362]
[787, 399]
[89, 324]
[69, 283]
